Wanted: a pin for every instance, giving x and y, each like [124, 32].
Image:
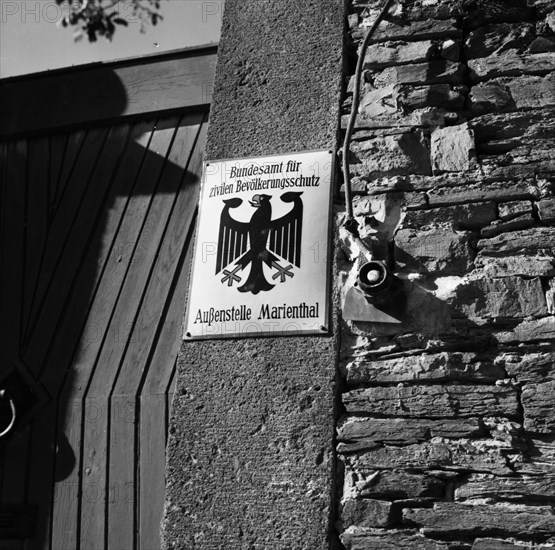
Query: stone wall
[447, 438]
[250, 457]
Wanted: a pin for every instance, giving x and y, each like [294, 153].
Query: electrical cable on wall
[377, 294]
[350, 223]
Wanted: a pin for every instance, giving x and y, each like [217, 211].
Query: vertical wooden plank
[95, 260]
[153, 414]
[121, 519]
[150, 321]
[119, 228]
[3, 237]
[57, 145]
[45, 177]
[41, 465]
[13, 251]
[64, 528]
[37, 352]
[59, 265]
[94, 480]
[184, 166]
[160, 369]
[48, 173]
[76, 274]
[153, 394]
[11, 294]
[36, 218]
[152, 458]
[72, 413]
[41, 462]
[114, 334]
[154, 251]
[75, 232]
[14, 479]
[3, 207]
[72, 149]
[179, 237]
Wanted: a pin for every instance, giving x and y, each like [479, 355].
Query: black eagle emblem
[260, 241]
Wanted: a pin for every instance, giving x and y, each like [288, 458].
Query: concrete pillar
[250, 460]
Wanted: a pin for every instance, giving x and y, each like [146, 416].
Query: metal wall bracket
[358, 308]
[376, 297]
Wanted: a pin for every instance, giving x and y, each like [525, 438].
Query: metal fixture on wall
[376, 297]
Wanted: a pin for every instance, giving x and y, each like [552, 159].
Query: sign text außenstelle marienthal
[260, 259]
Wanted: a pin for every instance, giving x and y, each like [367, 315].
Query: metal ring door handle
[5, 395]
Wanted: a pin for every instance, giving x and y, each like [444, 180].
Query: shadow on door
[96, 226]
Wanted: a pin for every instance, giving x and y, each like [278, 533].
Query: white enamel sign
[260, 260]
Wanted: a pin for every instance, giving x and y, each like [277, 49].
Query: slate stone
[377, 103]
[392, 540]
[539, 409]
[542, 44]
[527, 265]
[489, 39]
[514, 209]
[413, 30]
[353, 20]
[500, 544]
[481, 192]
[518, 489]
[546, 210]
[454, 519]
[507, 432]
[510, 63]
[508, 297]
[468, 455]
[365, 512]
[472, 14]
[535, 367]
[462, 216]
[497, 227]
[396, 485]
[519, 242]
[497, 173]
[529, 331]
[392, 122]
[389, 54]
[434, 401]
[532, 92]
[437, 367]
[433, 72]
[452, 149]
[477, 14]
[435, 250]
[539, 458]
[444, 96]
[356, 433]
[401, 154]
[491, 96]
[538, 153]
[514, 129]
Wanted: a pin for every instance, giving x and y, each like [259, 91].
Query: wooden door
[96, 226]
